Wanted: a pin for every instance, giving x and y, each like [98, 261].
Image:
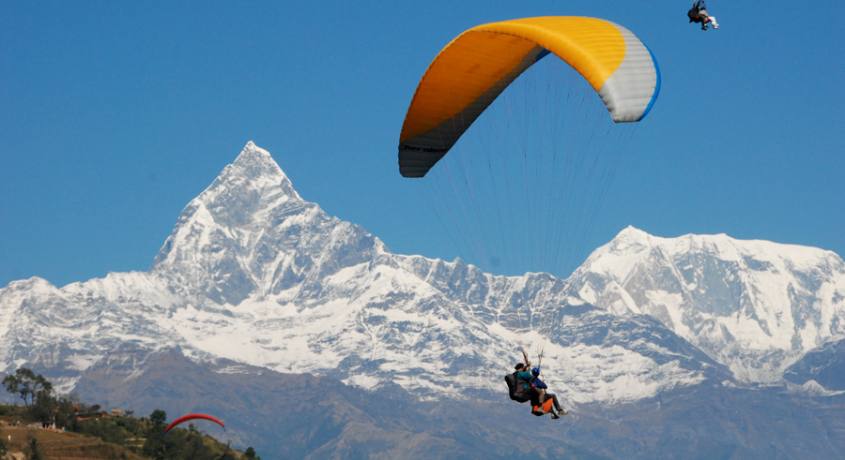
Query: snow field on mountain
[255, 274]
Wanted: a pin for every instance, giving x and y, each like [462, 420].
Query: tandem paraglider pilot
[524, 385]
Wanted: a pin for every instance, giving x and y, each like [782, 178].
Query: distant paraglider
[699, 15]
[188, 417]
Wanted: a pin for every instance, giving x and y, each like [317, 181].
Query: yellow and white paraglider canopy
[474, 68]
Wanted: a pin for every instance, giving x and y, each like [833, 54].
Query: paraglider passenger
[543, 396]
[698, 14]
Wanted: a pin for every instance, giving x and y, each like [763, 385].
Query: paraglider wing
[187, 417]
[472, 70]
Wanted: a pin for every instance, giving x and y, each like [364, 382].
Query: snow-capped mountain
[755, 306]
[255, 274]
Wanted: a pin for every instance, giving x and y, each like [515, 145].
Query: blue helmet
[535, 371]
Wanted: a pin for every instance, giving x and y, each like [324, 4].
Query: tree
[27, 385]
[35, 391]
[250, 453]
[155, 445]
[194, 447]
[227, 455]
[33, 450]
[158, 417]
[45, 407]
[67, 408]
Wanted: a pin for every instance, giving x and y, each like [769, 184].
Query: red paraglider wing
[187, 417]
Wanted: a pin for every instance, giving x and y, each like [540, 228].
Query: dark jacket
[539, 383]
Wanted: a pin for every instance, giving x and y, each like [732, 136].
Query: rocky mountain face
[300, 415]
[822, 369]
[306, 416]
[754, 306]
[255, 276]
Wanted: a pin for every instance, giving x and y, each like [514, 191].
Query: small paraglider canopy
[192, 416]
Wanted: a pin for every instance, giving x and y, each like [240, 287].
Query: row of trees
[27, 385]
[42, 404]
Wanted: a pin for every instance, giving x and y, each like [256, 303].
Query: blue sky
[113, 115]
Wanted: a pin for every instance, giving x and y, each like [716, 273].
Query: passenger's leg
[713, 21]
[554, 400]
[535, 398]
[704, 19]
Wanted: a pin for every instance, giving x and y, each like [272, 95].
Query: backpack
[515, 390]
[692, 14]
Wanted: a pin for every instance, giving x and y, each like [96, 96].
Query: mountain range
[256, 284]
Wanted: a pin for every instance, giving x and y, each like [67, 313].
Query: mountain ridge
[255, 274]
[754, 305]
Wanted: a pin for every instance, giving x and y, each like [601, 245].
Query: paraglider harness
[693, 15]
[516, 389]
[516, 386]
[544, 408]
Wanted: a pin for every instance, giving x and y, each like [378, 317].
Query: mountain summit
[251, 234]
[255, 275]
[756, 306]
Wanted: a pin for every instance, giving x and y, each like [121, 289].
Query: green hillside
[50, 427]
